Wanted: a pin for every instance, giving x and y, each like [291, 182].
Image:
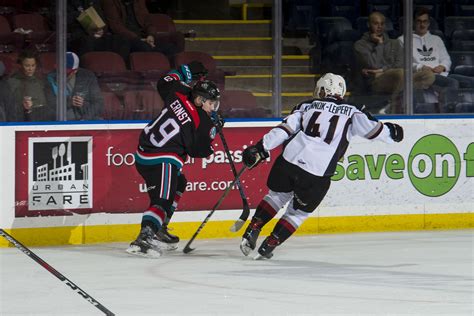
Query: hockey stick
[56, 273]
[187, 248]
[245, 205]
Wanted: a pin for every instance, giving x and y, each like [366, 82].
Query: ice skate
[249, 239]
[266, 248]
[169, 241]
[146, 244]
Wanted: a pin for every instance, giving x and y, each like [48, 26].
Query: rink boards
[76, 183]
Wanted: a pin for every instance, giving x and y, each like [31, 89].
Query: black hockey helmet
[206, 89]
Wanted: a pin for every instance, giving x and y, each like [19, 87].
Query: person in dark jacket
[28, 89]
[83, 41]
[84, 99]
[380, 59]
[183, 128]
[130, 19]
[6, 98]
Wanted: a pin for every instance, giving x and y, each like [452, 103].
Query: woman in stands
[28, 89]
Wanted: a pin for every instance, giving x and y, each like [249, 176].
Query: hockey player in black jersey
[316, 135]
[183, 128]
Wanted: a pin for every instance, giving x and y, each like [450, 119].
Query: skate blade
[151, 253]
[169, 247]
[246, 250]
[260, 257]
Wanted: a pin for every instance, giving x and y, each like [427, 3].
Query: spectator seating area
[127, 86]
[332, 26]
[334, 36]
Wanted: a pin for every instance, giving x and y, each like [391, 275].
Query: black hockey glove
[396, 131]
[197, 70]
[253, 155]
[217, 120]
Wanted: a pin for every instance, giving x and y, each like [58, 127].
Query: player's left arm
[367, 126]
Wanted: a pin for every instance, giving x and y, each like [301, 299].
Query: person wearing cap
[84, 99]
[27, 86]
[6, 99]
[184, 128]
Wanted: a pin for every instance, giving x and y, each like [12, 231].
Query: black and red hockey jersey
[180, 130]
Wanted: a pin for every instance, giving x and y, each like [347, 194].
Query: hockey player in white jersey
[316, 135]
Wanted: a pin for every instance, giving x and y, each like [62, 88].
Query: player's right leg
[309, 192]
[161, 181]
[146, 244]
[281, 185]
[163, 234]
[266, 210]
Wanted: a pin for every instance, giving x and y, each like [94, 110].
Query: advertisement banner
[60, 172]
[67, 172]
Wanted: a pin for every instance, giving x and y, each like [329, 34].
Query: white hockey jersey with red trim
[318, 133]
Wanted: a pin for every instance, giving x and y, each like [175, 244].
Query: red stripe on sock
[158, 211]
[287, 225]
[267, 208]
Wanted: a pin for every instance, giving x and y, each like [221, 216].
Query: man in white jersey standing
[316, 135]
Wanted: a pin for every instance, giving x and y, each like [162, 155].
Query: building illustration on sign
[60, 170]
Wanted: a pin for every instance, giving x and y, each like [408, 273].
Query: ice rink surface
[410, 273]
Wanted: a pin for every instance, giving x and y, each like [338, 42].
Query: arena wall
[76, 183]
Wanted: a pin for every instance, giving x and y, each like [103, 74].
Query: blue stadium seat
[461, 45]
[345, 8]
[453, 23]
[463, 7]
[462, 35]
[338, 57]
[464, 107]
[301, 15]
[425, 108]
[462, 62]
[459, 100]
[329, 29]
[389, 8]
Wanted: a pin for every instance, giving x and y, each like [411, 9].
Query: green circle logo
[434, 165]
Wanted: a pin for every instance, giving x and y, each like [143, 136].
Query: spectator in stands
[6, 100]
[381, 61]
[129, 19]
[429, 53]
[84, 100]
[27, 87]
[83, 41]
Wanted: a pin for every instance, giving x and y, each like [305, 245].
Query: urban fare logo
[60, 173]
[434, 165]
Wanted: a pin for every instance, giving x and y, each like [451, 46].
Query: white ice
[410, 273]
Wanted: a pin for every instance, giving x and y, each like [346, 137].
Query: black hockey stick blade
[55, 272]
[187, 249]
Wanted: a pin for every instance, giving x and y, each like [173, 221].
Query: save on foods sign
[434, 164]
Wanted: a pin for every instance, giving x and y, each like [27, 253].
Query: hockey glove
[253, 155]
[396, 131]
[197, 70]
[217, 120]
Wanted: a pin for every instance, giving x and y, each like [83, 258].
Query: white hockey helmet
[332, 85]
